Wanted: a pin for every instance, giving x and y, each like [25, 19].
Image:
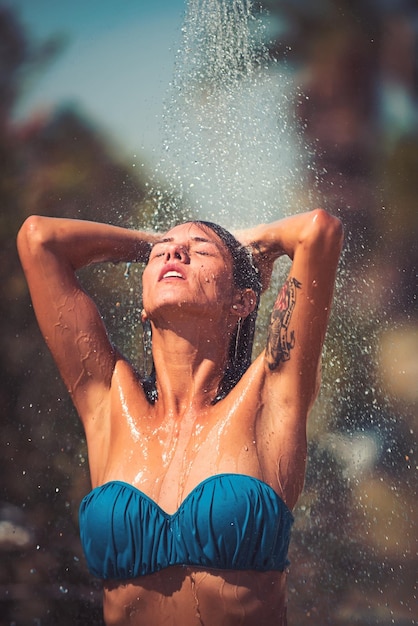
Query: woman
[195, 473]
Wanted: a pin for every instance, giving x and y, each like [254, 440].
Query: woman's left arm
[299, 319]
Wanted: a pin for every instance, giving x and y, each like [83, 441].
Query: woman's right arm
[51, 250]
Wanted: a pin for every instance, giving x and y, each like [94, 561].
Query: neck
[189, 365]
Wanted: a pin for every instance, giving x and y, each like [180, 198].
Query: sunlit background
[89, 91]
[112, 61]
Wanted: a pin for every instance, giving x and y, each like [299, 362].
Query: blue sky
[115, 67]
[116, 70]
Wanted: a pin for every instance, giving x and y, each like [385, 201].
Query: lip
[171, 272]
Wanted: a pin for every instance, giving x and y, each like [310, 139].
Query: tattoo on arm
[279, 340]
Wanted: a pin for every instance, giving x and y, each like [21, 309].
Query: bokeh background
[82, 86]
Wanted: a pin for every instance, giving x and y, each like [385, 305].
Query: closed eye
[196, 245]
[206, 248]
[160, 251]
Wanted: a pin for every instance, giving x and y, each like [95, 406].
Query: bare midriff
[184, 596]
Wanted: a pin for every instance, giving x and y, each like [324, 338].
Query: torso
[181, 596]
[166, 459]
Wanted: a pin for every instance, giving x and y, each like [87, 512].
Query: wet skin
[181, 596]
[168, 460]
[166, 449]
[191, 269]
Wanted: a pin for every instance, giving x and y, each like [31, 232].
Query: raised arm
[51, 250]
[300, 314]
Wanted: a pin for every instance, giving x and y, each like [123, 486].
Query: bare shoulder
[129, 403]
[279, 427]
[118, 422]
[288, 370]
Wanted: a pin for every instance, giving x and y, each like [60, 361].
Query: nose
[176, 252]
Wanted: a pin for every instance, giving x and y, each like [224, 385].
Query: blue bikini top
[229, 521]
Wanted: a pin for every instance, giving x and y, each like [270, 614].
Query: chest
[166, 457]
[228, 522]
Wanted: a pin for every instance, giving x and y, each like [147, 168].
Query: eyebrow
[195, 239]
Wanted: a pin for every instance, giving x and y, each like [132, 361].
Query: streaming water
[232, 152]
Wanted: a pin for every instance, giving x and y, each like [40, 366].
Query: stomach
[184, 596]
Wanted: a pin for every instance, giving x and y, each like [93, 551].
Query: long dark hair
[245, 276]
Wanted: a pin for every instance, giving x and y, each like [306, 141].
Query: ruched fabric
[229, 521]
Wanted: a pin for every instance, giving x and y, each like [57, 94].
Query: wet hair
[245, 276]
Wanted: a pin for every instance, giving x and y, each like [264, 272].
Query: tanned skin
[280, 341]
[169, 447]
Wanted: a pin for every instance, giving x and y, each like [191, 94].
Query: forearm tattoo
[279, 340]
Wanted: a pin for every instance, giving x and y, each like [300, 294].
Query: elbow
[325, 222]
[325, 231]
[32, 236]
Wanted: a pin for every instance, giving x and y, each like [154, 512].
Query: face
[189, 269]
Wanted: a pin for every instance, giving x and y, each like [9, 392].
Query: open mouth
[171, 274]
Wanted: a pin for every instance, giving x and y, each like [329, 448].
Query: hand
[252, 238]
